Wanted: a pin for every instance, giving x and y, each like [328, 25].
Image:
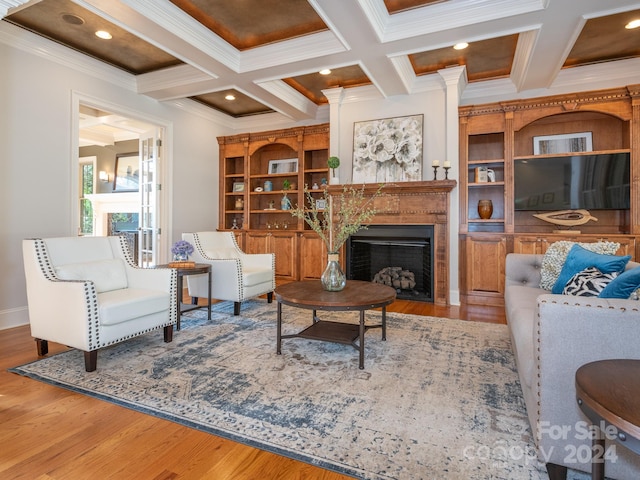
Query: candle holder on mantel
[446, 172]
[435, 172]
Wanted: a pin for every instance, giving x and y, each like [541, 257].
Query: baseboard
[14, 317]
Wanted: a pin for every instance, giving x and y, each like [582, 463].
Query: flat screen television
[586, 181]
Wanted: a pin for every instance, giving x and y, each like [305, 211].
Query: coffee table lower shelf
[327, 331]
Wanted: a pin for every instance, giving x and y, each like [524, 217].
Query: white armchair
[235, 275]
[87, 293]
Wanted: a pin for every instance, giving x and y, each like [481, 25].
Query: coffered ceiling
[267, 53]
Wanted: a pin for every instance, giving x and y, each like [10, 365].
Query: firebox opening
[397, 255]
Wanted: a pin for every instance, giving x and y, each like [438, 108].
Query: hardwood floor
[50, 433]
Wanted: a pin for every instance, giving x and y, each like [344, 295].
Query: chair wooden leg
[556, 472]
[42, 346]
[91, 360]
[236, 308]
[168, 333]
[270, 297]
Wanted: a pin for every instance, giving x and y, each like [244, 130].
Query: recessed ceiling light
[633, 24]
[103, 34]
[460, 46]
[229, 97]
[324, 71]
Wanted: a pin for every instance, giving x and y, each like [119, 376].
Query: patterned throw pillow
[556, 254]
[588, 283]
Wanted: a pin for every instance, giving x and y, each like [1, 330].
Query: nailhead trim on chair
[89, 292]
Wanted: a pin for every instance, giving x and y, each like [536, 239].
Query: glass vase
[333, 278]
[180, 257]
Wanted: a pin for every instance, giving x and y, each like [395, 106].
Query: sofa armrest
[568, 333]
[523, 269]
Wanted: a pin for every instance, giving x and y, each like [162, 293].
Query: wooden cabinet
[258, 171]
[313, 256]
[495, 136]
[283, 244]
[483, 269]
[539, 244]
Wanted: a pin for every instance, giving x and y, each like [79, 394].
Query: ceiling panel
[354, 41]
[241, 106]
[73, 26]
[605, 38]
[484, 60]
[248, 23]
[312, 84]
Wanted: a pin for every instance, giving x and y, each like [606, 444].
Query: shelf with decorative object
[270, 165]
[585, 125]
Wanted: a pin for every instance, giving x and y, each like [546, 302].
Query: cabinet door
[313, 256]
[485, 260]
[282, 244]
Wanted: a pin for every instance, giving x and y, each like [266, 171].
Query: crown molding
[294, 50]
[441, 16]
[171, 77]
[6, 5]
[289, 95]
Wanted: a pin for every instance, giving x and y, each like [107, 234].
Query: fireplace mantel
[418, 203]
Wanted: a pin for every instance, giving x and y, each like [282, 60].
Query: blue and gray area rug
[439, 399]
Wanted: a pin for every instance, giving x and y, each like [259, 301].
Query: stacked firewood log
[396, 277]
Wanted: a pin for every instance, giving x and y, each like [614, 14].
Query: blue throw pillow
[623, 285]
[580, 258]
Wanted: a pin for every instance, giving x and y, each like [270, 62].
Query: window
[86, 188]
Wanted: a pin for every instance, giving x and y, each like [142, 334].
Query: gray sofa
[553, 335]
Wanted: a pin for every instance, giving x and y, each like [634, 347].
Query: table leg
[597, 458]
[361, 340]
[279, 329]
[209, 306]
[384, 323]
[179, 300]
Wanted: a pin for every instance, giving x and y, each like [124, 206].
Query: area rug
[439, 399]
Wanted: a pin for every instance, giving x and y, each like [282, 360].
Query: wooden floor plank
[50, 433]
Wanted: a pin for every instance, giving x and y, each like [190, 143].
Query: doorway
[127, 170]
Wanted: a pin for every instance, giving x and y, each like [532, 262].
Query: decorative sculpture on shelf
[567, 218]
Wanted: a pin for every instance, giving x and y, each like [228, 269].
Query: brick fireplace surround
[418, 203]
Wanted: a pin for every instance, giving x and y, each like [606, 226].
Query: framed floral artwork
[388, 150]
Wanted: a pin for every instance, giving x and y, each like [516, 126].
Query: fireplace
[415, 204]
[400, 256]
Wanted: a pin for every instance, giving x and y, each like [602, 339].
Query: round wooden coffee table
[357, 295]
[607, 392]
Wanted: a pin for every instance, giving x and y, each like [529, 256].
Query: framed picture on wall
[388, 150]
[127, 177]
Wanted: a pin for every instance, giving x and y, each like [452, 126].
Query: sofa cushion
[580, 258]
[623, 286]
[555, 256]
[588, 282]
[256, 276]
[106, 275]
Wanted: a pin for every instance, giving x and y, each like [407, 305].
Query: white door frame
[165, 204]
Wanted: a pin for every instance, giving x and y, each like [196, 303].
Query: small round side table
[608, 392]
